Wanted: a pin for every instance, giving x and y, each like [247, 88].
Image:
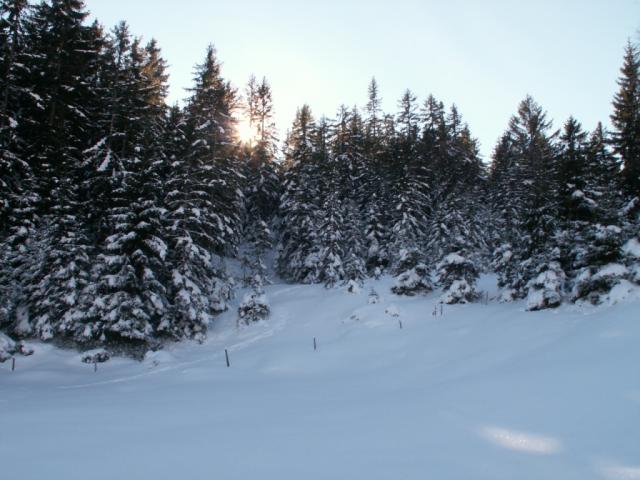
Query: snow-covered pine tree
[532, 161]
[455, 168]
[345, 173]
[127, 299]
[411, 204]
[603, 182]
[457, 276]
[374, 187]
[591, 240]
[15, 174]
[253, 308]
[410, 190]
[626, 119]
[65, 56]
[298, 255]
[505, 191]
[203, 204]
[262, 186]
[17, 194]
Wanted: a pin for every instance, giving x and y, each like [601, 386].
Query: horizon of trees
[118, 213]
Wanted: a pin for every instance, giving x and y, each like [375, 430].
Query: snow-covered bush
[545, 290]
[460, 292]
[414, 281]
[631, 251]
[10, 348]
[254, 307]
[99, 355]
[592, 284]
[457, 275]
[506, 264]
[7, 348]
[600, 259]
[374, 298]
[353, 287]
[377, 273]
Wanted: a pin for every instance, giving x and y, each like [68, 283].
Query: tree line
[119, 213]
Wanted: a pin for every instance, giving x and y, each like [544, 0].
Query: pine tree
[626, 119]
[203, 205]
[373, 122]
[374, 187]
[262, 185]
[530, 165]
[457, 275]
[298, 254]
[65, 52]
[15, 174]
[410, 189]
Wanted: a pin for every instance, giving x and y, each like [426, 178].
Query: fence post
[315, 344]
[13, 364]
[95, 366]
[400, 322]
[226, 355]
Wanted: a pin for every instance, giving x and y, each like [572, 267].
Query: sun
[245, 132]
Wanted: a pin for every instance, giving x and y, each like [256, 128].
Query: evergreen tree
[531, 165]
[262, 186]
[203, 205]
[298, 255]
[457, 275]
[626, 119]
[15, 174]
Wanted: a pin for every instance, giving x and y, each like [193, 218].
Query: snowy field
[481, 392]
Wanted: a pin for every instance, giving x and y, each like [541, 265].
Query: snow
[452, 258]
[632, 248]
[611, 270]
[482, 392]
[7, 347]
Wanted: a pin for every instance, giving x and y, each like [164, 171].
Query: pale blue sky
[483, 55]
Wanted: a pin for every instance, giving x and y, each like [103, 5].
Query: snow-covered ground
[481, 392]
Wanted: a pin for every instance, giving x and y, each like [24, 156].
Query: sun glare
[245, 132]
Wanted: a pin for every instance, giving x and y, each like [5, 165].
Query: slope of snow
[481, 392]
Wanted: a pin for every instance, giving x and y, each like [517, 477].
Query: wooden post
[435, 311]
[226, 354]
[13, 364]
[400, 322]
[95, 366]
[441, 309]
[315, 344]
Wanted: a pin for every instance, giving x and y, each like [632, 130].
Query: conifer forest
[119, 213]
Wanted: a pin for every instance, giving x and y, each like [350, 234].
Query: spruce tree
[298, 254]
[203, 205]
[626, 119]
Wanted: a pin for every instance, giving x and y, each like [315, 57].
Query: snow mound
[392, 311]
[159, 357]
[632, 248]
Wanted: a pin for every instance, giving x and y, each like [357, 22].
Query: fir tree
[626, 119]
[298, 254]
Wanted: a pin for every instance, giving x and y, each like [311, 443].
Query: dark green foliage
[626, 119]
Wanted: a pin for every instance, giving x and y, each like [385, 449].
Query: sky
[484, 56]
